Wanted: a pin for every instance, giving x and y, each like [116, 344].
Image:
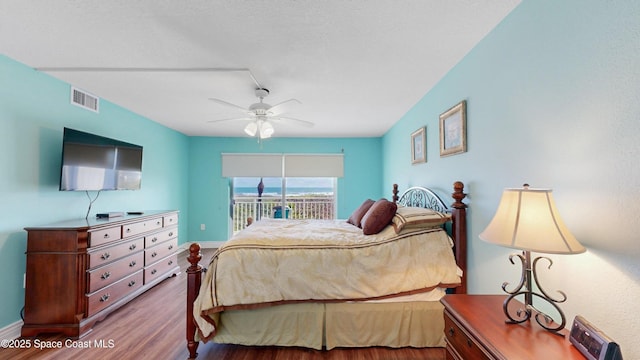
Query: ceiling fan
[261, 115]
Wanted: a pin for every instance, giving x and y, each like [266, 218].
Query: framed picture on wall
[453, 130]
[418, 146]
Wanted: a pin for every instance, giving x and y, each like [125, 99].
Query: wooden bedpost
[194, 278]
[459, 229]
[395, 193]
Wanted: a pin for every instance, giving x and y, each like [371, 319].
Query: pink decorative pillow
[357, 215]
[378, 216]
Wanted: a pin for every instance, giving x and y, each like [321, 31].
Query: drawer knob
[154, 254]
[451, 331]
[105, 256]
[158, 223]
[170, 262]
[171, 247]
[132, 247]
[132, 264]
[106, 236]
[105, 276]
[469, 343]
[105, 297]
[154, 239]
[131, 283]
[153, 271]
[171, 233]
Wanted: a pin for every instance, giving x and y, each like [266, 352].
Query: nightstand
[475, 328]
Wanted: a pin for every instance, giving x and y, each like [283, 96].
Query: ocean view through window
[292, 198]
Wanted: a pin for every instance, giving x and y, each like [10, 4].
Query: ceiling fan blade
[274, 109]
[293, 120]
[230, 119]
[225, 103]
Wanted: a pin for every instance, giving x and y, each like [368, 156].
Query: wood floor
[153, 327]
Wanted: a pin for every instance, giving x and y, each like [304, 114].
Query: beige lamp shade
[527, 219]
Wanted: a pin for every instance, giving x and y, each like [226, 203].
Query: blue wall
[34, 109]
[553, 100]
[209, 191]
[179, 172]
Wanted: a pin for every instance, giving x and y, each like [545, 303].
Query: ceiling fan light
[251, 129]
[266, 130]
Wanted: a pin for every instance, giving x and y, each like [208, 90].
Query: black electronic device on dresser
[592, 342]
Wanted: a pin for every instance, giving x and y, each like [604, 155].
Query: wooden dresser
[80, 271]
[475, 329]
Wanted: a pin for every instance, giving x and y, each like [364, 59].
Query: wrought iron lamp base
[529, 274]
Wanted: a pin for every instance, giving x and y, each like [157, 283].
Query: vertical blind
[282, 165]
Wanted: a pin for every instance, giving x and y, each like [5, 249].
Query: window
[296, 186]
[304, 198]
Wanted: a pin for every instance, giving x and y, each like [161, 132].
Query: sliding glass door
[288, 186]
[288, 198]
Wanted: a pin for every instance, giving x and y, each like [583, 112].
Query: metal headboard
[422, 197]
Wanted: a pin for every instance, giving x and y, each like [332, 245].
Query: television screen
[91, 162]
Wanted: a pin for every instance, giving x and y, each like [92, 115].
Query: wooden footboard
[194, 278]
[459, 235]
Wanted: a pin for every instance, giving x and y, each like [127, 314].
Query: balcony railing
[299, 207]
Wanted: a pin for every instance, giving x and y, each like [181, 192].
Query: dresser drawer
[108, 254]
[161, 236]
[459, 343]
[160, 268]
[141, 227]
[170, 220]
[103, 236]
[114, 271]
[160, 251]
[105, 297]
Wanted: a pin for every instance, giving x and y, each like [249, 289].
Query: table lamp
[527, 219]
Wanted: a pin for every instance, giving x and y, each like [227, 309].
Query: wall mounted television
[93, 163]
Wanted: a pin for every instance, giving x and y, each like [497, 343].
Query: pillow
[417, 218]
[378, 216]
[357, 215]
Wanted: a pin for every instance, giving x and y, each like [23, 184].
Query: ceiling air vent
[85, 100]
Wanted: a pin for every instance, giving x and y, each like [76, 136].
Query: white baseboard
[203, 244]
[211, 244]
[11, 331]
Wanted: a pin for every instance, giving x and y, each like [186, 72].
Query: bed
[324, 284]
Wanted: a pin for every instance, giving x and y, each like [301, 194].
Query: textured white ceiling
[357, 66]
